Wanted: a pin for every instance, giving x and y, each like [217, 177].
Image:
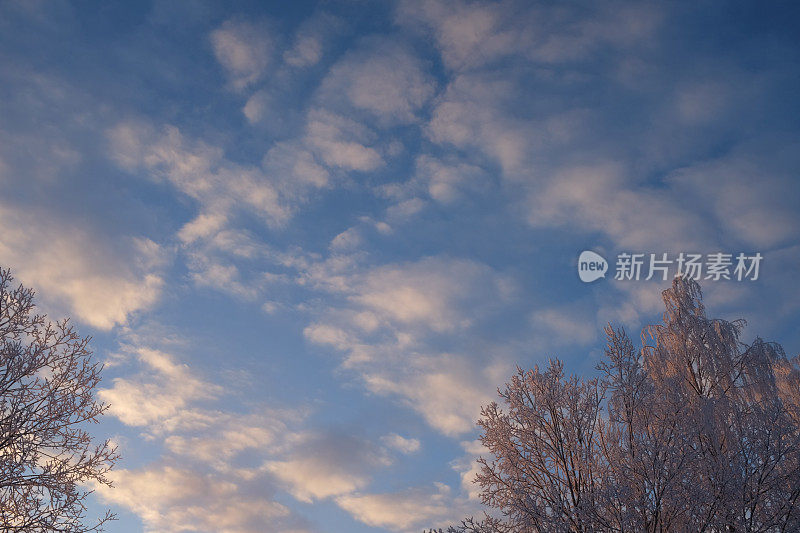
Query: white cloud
[349, 239]
[447, 390]
[210, 476]
[310, 478]
[77, 271]
[429, 293]
[405, 209]
[222, 276]
[444, 181]
[161, 391]
[382, 78]
[395, 311]
[311, 39]
[203, 226]
[466, 33]
[327, 464]
[602, 198]
[295, 165]
[258, 107]
[475, 112]
[406, 511]
[224, 440]
[700, 102]
[470, 35]
[307, 51]
[749, 197]
[484, 43]
[326, 334]
[564, 325]
[468, 468]
[215, 254]
[340, 142]
[221, 469]
[243, 49]
[171, 499]
[197, 170]
[222, 189]
[400, 443]
[708, 205]
[636, 302]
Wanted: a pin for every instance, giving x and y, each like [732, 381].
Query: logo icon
[591, 266]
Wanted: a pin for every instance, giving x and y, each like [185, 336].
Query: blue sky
[310, 240]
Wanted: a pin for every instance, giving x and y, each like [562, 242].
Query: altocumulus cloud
[79, 271]
[341, 214]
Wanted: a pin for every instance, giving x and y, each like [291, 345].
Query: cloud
[202, 227]
[700, 102]
[172, 499]
[295, 164]
[209, 476]
[447, 390]
[565, 325]
[327, 464]
[429, 293]
[78, 271]
[400, 443]
[471, 35]
[197, 170]
[307, 51]
[214, 248]
[405, 209]
[465, 33]
[408, 510]
[162, 390]
[341, 142]
[468, 468]
[763, 216]
[382, 78]
[219, 274]
[399, 319]
[601, 198]
[559, 154]
[217, 438]
[349, 239]
[704, 206]
[444, 181]
[312, 38]
[243, 49]
[258, 107]
[499, 54]
[221, 470]
[476, 112]
[309, 479]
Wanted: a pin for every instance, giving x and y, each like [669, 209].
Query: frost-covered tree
[694, 431]
[47, 384]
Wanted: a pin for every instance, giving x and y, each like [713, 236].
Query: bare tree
[694, 431]
[47, 384]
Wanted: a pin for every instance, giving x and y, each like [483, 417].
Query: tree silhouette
[47, 384]
[694, 431]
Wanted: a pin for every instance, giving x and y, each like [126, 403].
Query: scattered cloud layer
[382, 78]
[243, 48]
[388, 333]
[78, 272]
[338, 213]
